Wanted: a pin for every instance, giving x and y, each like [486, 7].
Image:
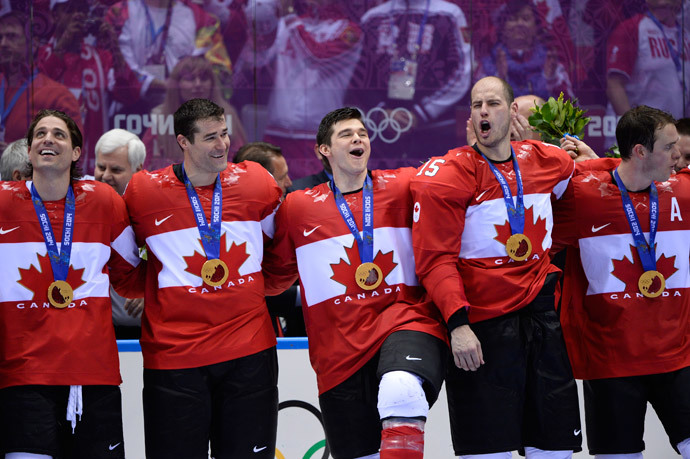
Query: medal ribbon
[5, 111]
[59, 259]
[645, 250]
[210, 234]
[516, 211]
[365, 244]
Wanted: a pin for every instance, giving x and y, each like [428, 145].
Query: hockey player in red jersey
[626, 303]
[481, 238]
[62, 242]
[210, 363]
[376, 342]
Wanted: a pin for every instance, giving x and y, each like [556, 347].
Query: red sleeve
[280, 260]
[127, 271]
[564, 221]
[440, 191]
[621, 49]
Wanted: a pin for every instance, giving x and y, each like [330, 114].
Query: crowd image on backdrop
[207, 175]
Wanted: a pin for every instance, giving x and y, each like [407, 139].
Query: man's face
[684, 148]
[209, 152]
[114, 169]
[490, 112]
[350, 148]
[51, 147]
[660, 164]
[12, 43]
[280, 173]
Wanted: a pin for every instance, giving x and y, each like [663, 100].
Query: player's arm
[280, 260]
[127, 269]
[438, 222]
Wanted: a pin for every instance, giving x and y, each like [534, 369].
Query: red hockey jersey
[610, 328]
[461, 227]
[347, 325]
[40, 344]
[187, 323]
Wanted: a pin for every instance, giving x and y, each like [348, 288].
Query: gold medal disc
[60, 294]
[651, 284]
[518, 247]
[214, 272]
[368, 276]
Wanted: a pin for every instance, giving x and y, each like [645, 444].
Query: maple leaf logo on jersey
[535, 232]
[43, 277]
[344, 271]
[629, 272]
[234, 258]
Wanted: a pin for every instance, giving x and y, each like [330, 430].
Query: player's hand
[466, 348]
[469, 133]
[520, 128]
[134, 306]
[577, 149]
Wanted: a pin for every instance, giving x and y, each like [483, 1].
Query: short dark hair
[683, 126]
[323, 137]
[259, 152]
[185, 117]
[74, 134]
[639, 126]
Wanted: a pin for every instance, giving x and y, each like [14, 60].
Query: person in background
[14, 162]
[683, 128]
[192, 77]
[119, 154]
[270, 157]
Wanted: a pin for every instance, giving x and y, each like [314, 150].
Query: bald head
[525, 105]
[491, 81]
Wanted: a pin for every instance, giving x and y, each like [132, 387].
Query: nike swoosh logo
[478, 198]
[159, 222]
[599, 228]
[4, 231]
[576, 432]
[256, 450]
[307, 233]
[412, 358]
[112, 447]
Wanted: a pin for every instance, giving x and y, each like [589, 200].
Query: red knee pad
[402, 442]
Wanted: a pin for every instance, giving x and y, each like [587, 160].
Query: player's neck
[51, 187]
[199, 178]
[632, 176]
[499, 152]
[347, 182]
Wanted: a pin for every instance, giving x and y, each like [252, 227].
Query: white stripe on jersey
[593, 250]
[91, 256]
[479, 232]
[314, 262]
[126, 246]
[268, 225]
[171, 248]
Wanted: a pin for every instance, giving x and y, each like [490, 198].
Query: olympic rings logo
[380, 123]
[321, 444]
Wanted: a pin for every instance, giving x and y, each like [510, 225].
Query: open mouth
[484, 125]
[48, 153]
[357, 152]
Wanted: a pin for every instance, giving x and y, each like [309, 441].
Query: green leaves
[557, 117]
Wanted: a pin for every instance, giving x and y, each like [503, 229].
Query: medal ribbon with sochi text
[645, 250]
[516, 211]
[365, 244]
[59, 259]
[210, 234]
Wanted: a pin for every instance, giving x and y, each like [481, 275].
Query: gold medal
[368, 276]
[60, 294]
[518, 247]
[214, 272]
[651, 284]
